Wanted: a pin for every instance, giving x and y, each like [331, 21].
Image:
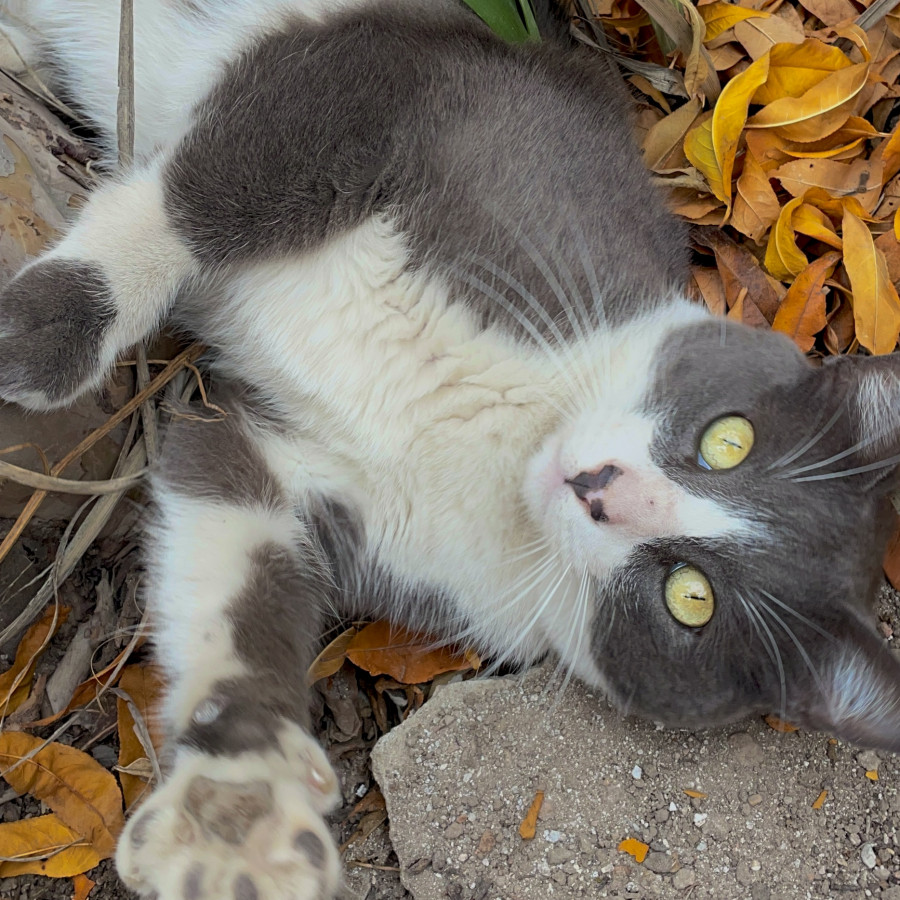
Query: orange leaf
[801, 315]
[15, 683]
[819, 802]
[784, 259]
[528, 828]
[83, 886]
[876, 306]
[696, 795]
[633, 847]
[383, 649]
[144, 685]
[44, 846]
[777, 724]
[872, 774]
[756, 206]
[331, 658]
[73, 784]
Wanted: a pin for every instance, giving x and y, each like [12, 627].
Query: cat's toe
[53, 319]
[210, 834]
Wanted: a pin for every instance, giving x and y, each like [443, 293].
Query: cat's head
[730, 502]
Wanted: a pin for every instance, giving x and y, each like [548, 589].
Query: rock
[869, 760]
[482, 748]
[867, 855]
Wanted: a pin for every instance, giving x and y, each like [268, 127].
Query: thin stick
[66, 485]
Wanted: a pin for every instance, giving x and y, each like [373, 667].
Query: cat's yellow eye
[689, 596]
[726, 443]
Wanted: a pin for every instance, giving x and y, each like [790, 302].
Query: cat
[463, 389]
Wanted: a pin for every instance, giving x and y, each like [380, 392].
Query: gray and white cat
[464, 390]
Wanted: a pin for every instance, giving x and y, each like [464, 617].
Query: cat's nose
[587, 485]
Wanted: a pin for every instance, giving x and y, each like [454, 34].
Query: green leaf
[513, 20]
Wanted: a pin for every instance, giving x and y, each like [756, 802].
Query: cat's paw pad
[240, 828]
[53, 319]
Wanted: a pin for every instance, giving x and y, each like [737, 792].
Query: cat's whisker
[847, 473]
[800, 451]
[860, 445]
[797, 643]
[808, 622]
[774, 655]
[579, 622]
[534, 304]
[574, 294]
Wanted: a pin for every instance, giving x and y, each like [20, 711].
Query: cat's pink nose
[589, 486]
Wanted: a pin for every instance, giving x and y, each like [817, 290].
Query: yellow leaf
[872, 774]
[795, 68]
[812, 222]
[44, 846]
[633, 847]
[695, 795]
[695, 67]
[756, 206]
[801, 315]
[858, 182]
[819, 802]
[528, 828]
[383, 649]
[897, 224]
[820, 111]
[15, 683]
[712, 146]
[144, 685]
[759, 36]
[784, 259]
[889, 153]
[73, 784]
[719, 17]
[876, 306]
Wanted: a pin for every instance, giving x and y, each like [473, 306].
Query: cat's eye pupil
[689, 595]
[726, 443]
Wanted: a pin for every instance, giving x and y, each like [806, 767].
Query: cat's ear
[855, 691]
[872, 387]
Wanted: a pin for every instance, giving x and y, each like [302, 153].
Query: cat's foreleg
[238, 585]
[66, 317]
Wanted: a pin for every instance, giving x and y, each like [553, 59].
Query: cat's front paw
[247, 827]
[53, 319]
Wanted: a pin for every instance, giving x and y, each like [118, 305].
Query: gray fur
[54, 316]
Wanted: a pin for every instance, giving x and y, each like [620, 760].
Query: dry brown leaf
[73, 784]
[145, 686]
[384, 649]
[82, 886]
[888, 244]
[668, 135]
[15, 683]
[45, 846]
[876, 306]
[831, 12]
[756, 205]
[726, 56]
[695, 795]
[710, 289]
[528, 828]
[777, 724]
[758, 36]
[840, 333]
[332, 657]
[634, 848]
[688, 203]
[859, 180]
[801, 315]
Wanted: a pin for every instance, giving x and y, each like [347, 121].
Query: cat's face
[732, 510]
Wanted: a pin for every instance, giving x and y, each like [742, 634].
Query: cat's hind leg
[66, 317]
[238, 585]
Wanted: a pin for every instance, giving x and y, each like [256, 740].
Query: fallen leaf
[332, 657]
[820, 111]
[819, 802]
[668, 135]
[872, 774]
[145, 686]
[784, 259]
[831, 12]
[756, 205]
[72, 783]
[15, 683]
[528, 828]
[876, 306]
[635, 848]
[695, 795]
[719, 17]
[859, 180]
[82, 887]
[759, 35]
[712, 146]
[44, 845]
[801, 315]
[811, 221]
[710, 289]
[777, 724]
[796, 68]
[410, 658]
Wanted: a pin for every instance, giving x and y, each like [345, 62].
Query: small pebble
[636, 773]
[867, 855]
[551, 836]
[754, 799]
[700, 819]
[869, 760]
[673, 807]
[684, 878]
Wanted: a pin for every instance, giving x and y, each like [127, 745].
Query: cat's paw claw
[211, 834]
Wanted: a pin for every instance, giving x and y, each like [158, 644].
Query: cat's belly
[402, 405]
